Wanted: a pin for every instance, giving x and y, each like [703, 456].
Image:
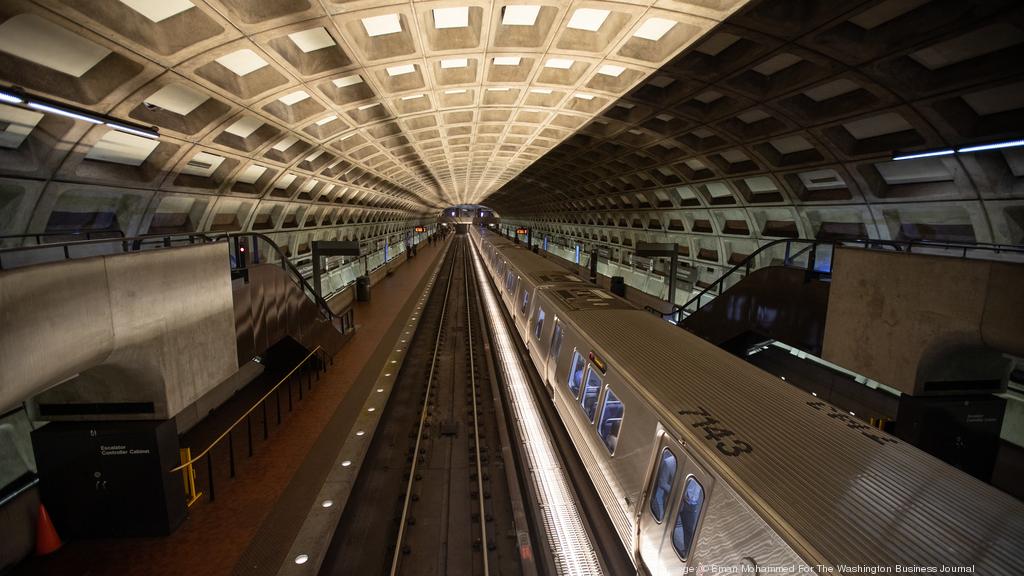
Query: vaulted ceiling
[274, 107]
[723, 122]
[784, 122]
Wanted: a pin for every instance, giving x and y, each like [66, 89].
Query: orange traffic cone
[47, 540]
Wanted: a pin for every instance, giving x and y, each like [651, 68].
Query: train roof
[540, 270]
[840, 491]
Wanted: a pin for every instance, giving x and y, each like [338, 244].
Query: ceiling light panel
[455, 63]
[177, 98]
[559, 63]
[312, 40]
[451, 17]
[251, 174]
[611, 70]
[520, 15]
[348, 81]
[244, 126]
[382, 25]
[39, 40]
[120, 148]
[507, 60]
[293, 98]
[242, 62]
[17, 124]
[158, 10]
[327, 120]
[654, 29]
[401, 69]
[589, 19]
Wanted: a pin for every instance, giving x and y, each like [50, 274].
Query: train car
[703, 460]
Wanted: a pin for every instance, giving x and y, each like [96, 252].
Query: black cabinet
[110, 478]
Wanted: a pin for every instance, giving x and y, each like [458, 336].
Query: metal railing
[189, 463]
[810, 254]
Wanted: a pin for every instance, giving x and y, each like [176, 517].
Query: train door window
[610, 423]
[591, 390]
[526, 301]
[576, 374]
[539, 325]
[556, 339]
[663, 484]
[686, 519]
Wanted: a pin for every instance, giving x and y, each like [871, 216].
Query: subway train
[709, 465]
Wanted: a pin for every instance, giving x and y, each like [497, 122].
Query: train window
[611, 420]
[526, 300]
[590, 392]
[576, 375]
[539, 325]
[663, 484]
[687, 517]
[556, 339]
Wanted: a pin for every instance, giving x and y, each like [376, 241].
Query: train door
[675, 499]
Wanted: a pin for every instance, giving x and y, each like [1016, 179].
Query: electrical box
[110, 478]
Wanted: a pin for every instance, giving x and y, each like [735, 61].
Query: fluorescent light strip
[995, 146]
[63, 112]
[567, 538]
[945, 152]
[10, 97]
[132, 130]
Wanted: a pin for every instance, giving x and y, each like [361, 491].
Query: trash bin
[363, 288]
[618, 286]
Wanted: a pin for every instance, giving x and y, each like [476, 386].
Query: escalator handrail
[866, 243]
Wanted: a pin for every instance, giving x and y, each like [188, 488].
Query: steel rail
[476, 411]
[419, 434]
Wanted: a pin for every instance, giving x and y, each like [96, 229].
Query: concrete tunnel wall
[152, 327]
[906, 319]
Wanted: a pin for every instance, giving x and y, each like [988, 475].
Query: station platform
[250, 525]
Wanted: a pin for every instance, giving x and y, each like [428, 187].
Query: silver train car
[709, 465]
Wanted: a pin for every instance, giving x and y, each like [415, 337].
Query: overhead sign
[421, 229]
[335, 248]
[522, 231]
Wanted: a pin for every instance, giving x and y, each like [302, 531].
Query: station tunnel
[628, 275]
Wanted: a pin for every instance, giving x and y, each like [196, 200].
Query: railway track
[432, 496]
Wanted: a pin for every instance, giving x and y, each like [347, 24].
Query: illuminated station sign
[421, 229]
[522, 231]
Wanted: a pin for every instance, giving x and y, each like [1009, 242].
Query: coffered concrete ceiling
[783, 122]
[406, 106]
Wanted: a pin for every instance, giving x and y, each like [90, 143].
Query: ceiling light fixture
[451, 17]
[995, 146]
[382, 25]
[347, 81]
[519, 15]
[507, 60]
[327, 120]
[293, 98]
[611, 70]
[654, 28]
[589, 19]
[945, 152]
[559, 63]
[401, 69]
[454, 63]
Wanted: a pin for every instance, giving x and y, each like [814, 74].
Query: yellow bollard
[188, 475]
